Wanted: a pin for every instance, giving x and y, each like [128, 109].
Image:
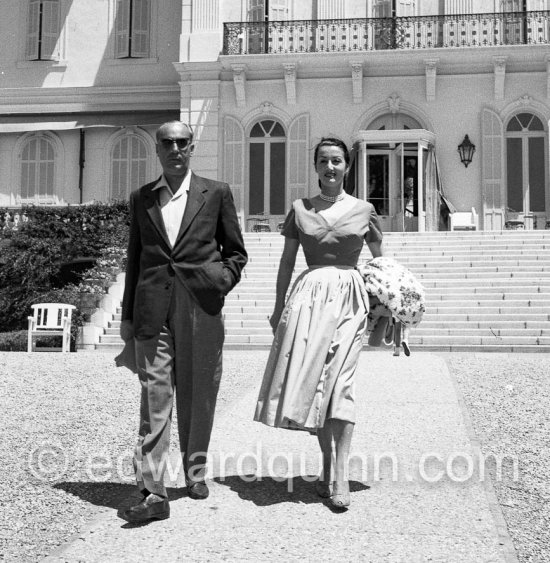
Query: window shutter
[44, 186]
[31, 48]
[141, 16]
[233, 160]
[278, 10]
[50, 28]
[537, 5]
[122, 29]
[381, 9]
[405, 8]
[38, 169]
[459, 7]
[298, 161]
[138, 165]
[493, 199]
[118, 168]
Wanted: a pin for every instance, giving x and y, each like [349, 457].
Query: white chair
[465, 220]
[50, 319]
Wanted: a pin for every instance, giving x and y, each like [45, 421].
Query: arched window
[128, 165]
[394, 121]
[38, 169]
[267, 168]
[525, 164]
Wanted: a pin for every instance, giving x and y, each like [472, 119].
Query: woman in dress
[309, 378]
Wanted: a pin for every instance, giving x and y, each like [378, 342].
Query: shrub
[32, 256]
[15, 341]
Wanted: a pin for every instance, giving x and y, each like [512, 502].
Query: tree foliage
[31, 256]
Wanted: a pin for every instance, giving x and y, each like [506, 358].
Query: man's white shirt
[172, 205]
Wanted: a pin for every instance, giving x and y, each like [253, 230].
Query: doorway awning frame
[393, 138]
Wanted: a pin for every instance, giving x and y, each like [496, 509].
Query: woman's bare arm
[286, 267]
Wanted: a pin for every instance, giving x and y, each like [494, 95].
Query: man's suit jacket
[207, 257]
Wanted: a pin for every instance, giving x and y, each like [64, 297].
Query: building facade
[404, 82]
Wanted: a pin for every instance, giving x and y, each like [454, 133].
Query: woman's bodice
[337, 241]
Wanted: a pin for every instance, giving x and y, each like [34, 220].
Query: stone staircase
[485, 291]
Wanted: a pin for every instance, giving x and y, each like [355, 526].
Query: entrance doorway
[266, 173]
[526, 170]
[390, 172]
[393, 187]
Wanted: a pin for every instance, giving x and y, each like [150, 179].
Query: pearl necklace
[332, 199]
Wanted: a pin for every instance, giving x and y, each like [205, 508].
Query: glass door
[392, 187]
[398, 191]
[526, 169]
[378, 185]
[410, 190]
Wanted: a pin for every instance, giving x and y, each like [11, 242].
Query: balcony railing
[376, 34]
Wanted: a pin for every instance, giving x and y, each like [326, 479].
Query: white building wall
[187, 71]
[87, 53]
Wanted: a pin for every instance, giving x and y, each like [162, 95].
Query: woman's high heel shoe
[340, 501]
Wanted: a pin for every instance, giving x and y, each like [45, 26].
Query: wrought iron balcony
[374, 34]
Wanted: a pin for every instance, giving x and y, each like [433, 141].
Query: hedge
[32, 256]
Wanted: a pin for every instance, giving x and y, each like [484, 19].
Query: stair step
[437, 340]
[486, 291]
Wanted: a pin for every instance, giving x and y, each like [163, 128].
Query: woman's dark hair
[331, 142]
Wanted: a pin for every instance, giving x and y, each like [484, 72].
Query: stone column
[199, 106]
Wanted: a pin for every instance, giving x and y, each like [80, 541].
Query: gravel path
[508, 398]
[70, 422]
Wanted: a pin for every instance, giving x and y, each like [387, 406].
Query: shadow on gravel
[118, 496]
[265, 491]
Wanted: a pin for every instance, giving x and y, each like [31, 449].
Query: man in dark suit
[185, 253]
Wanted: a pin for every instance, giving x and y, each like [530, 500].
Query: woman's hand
[126, 330]
[275, 318]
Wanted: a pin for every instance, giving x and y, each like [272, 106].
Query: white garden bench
[464, 220]
[50, 319]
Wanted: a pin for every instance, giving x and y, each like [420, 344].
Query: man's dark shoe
[148, 509]
[198, 491]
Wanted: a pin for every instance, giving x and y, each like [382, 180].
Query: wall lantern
[466, 150]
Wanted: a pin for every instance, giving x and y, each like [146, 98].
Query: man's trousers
[186, 357]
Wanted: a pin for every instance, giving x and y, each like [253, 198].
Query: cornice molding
[91, 99]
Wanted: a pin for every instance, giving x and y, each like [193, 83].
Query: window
[128, 165]
[132, 29]
[267, 168]
[525, 160]
[37, 170]
[277, 10]
[42, 30]
[385, 8]
[512, 6]
[261, 12]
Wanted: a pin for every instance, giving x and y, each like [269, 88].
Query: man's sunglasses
[182, 143]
